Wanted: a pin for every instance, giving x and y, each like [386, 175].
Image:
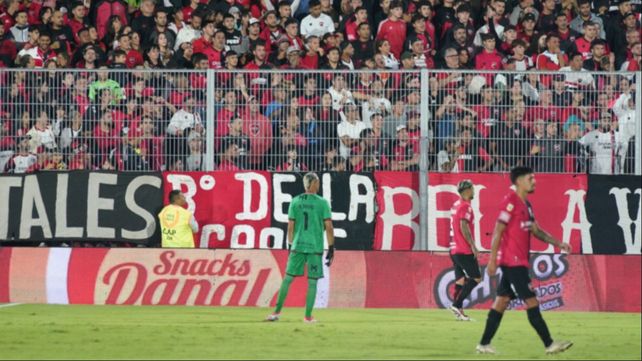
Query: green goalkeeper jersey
[308, 211]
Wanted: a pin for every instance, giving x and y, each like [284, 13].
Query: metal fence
[562, 122]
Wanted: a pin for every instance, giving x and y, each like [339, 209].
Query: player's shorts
[515, 283]
[465, 266]
[297, 262]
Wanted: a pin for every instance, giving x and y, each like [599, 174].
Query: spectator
[191, 31]
[316, 23]
[577, 78]
[131, 156]
[383, 48]
[347, 52]
[547, 149]
[524, 7]
[103, 82]
[566, 35]
[20, 31]
[363, 45]
[144, 23]
[104, 9]
[528, 33]
[349, 129]
[584, 14]
[228, 157]
[194, 160]
[404, 157]
[583, 45]
[546, 19]
[312, 58]
[489, 58]
[292, 162]
[41, 134]
[42, 52]
[447, 158]
[23, 161]
[393, 29]
[235, 135]
[233, 37]
[634, 61]
[599, 60]
[350, 25]
[365, 156]
[606, 146]
[258, 129]
[185, 118]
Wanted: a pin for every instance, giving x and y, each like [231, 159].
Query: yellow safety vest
[175, 228]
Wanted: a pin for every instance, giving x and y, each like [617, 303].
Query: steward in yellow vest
[177, 223]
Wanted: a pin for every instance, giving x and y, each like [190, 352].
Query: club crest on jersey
[510, 207]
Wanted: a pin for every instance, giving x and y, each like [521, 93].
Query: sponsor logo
[187, 277]
[544, 268]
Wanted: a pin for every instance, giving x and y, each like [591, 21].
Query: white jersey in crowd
[21, 163]
[339, 98]
[186, 35]
[316, 26]
[609, 149]
[577, 79]
[351, 130]
[41, 137]
[374, 105]
[182, 120]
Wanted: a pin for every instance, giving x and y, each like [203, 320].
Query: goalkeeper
[308, 215]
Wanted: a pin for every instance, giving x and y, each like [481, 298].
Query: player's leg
[504, 295]
[459, 278]
[294, 268]
[472, 278]
[315, 271]
[522, 286]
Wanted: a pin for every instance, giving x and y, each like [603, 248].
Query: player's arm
[465, 231]
[546, 237]
[193, 224]
[290, 233]
[497, 238]
[329, 232]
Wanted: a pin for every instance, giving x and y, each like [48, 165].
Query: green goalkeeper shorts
[297, 262]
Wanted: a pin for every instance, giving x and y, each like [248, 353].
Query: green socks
[309, 300]
[311, 297]
[283, 293]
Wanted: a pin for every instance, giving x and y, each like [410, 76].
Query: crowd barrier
[117, 276]
[371, 211]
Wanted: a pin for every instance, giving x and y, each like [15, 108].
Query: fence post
[638, 123]
[422, 245]
[210, 123]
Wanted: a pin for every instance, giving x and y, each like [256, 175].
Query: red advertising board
[137, 276]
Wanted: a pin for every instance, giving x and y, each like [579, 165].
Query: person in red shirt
[489, 58]
[205, 41]
[583, 45]
[510, 251]
[313, 54]
[393, 29]
[551, 59]
[463, 251]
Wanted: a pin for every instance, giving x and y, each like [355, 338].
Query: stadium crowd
[73, 93]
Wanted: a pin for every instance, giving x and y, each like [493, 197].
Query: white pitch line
[9, 305]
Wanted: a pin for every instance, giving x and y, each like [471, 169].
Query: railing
[562, 122]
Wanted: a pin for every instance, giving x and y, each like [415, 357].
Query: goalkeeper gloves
[330, 256]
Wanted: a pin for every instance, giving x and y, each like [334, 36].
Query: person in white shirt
[185, 118]
[447, 157]
[576, 76]
[339, 93]
[316, 23]
[22, 160]
[607, 145]
[376, 103]
[190, 32]
[349, 130]
[42, 133]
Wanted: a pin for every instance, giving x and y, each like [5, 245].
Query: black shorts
[465, 266]
[515, 283]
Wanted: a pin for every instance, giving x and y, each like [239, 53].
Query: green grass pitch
[111, 332]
